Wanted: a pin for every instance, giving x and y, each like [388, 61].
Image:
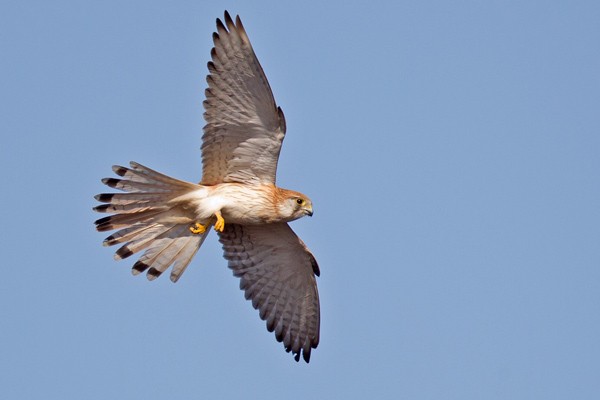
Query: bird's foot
[220, 224]
[197, 228]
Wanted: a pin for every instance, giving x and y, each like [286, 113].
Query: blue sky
[451, 150]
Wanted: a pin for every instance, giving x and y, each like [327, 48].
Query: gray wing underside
[244, 127]
[277, 273]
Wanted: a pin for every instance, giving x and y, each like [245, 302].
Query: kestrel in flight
[169, 219]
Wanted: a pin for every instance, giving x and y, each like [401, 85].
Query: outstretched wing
[244, 127]
[277, 273]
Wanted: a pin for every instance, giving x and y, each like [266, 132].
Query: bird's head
[294, 205]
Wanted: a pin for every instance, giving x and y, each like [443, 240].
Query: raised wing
[244, 127]
[277, 273]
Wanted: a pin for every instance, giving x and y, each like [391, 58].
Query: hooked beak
[309, 211]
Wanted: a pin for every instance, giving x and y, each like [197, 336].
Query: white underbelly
[238, 204]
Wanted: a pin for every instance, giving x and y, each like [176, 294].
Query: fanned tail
[147, 218]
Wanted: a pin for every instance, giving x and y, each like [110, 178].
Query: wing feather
[244, 127]
[277, 273]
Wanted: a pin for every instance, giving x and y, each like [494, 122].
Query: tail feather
[119, 221]
[142, 241]
[166, 251]
[120, 208]
[142, 174]
[124, 207]
[177, 247]
[134, 187]
[129, 198]
[146, 219]
[127, 234]
[140, 178]
[186, 255]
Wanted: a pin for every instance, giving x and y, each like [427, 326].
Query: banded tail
[147, 218]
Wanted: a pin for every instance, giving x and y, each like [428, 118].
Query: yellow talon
[197, 228]
[220, 224]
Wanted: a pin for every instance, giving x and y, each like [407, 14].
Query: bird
[169, 219]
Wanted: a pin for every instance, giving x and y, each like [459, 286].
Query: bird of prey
[169, 219]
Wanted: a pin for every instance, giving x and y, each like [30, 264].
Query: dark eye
[300, 201]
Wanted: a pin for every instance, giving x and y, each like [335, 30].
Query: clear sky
[451, 149]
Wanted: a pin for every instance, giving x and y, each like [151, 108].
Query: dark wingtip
[241, 29]
[282, 125]
[315, 265]
[279, 338]
[220, 24]
[306, 356]
[211, 67]
[228, 19]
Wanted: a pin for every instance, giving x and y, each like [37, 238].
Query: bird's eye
[300, 201]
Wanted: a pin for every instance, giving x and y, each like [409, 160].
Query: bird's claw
[220, 224]
[197, 228]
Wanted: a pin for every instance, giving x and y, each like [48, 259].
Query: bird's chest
[242, 204]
